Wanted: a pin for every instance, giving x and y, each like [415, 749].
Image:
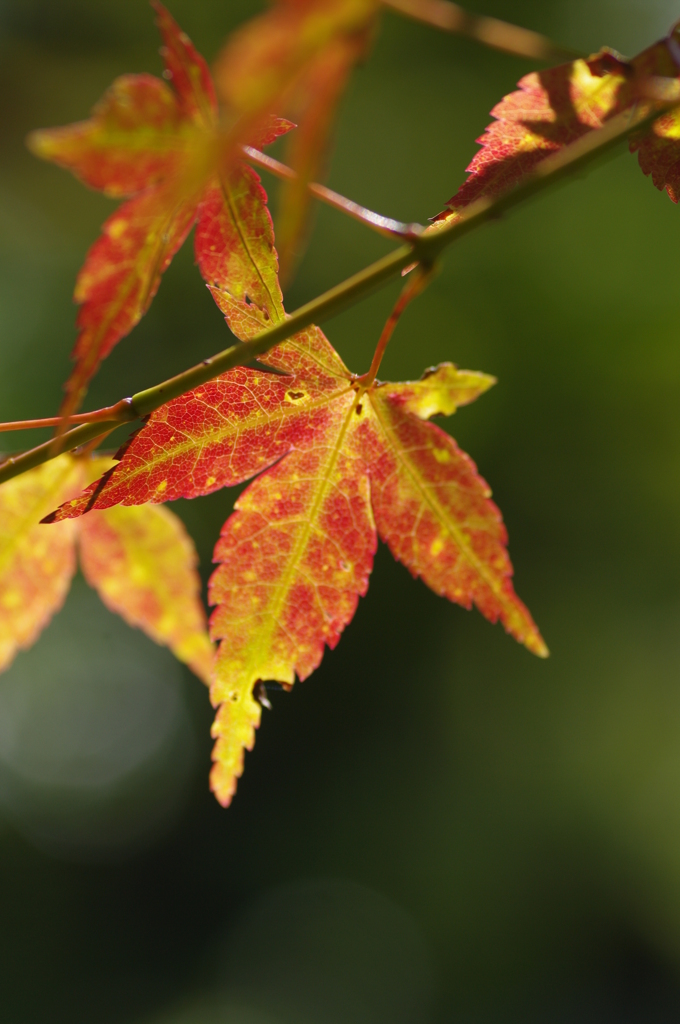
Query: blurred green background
[436, 826]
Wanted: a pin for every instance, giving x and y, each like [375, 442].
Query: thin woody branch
[383, 225]
[500, 35]
[424, 248]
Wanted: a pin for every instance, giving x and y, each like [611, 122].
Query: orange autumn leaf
[140, 560]
[297, 552]
[557, 106]
[163, 145]
[159, 144]
[267, 58]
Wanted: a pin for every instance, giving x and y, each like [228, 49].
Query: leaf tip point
[36, 143]
[223, 794]
[536, 644]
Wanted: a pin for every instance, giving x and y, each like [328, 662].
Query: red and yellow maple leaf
[165, 147]
[335, 463]
[160, 144]
[555, 107]
[297, 552]
[140, 560]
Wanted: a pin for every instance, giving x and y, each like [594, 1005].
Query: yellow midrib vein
[283, 589]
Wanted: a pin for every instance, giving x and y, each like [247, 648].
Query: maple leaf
[334, 464]
[555, 107]
[140, 560]
[159, 144]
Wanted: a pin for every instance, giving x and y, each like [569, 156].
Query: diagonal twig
[500, 35]
[383, 225]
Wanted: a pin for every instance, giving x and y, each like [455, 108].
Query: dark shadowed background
[436, 826]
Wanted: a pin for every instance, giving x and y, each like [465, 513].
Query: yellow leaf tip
[38, 142]
[537, 646]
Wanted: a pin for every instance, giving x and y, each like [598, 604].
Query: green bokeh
[507, 827]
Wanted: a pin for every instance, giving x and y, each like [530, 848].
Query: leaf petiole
[415, 285]
[120, 412]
